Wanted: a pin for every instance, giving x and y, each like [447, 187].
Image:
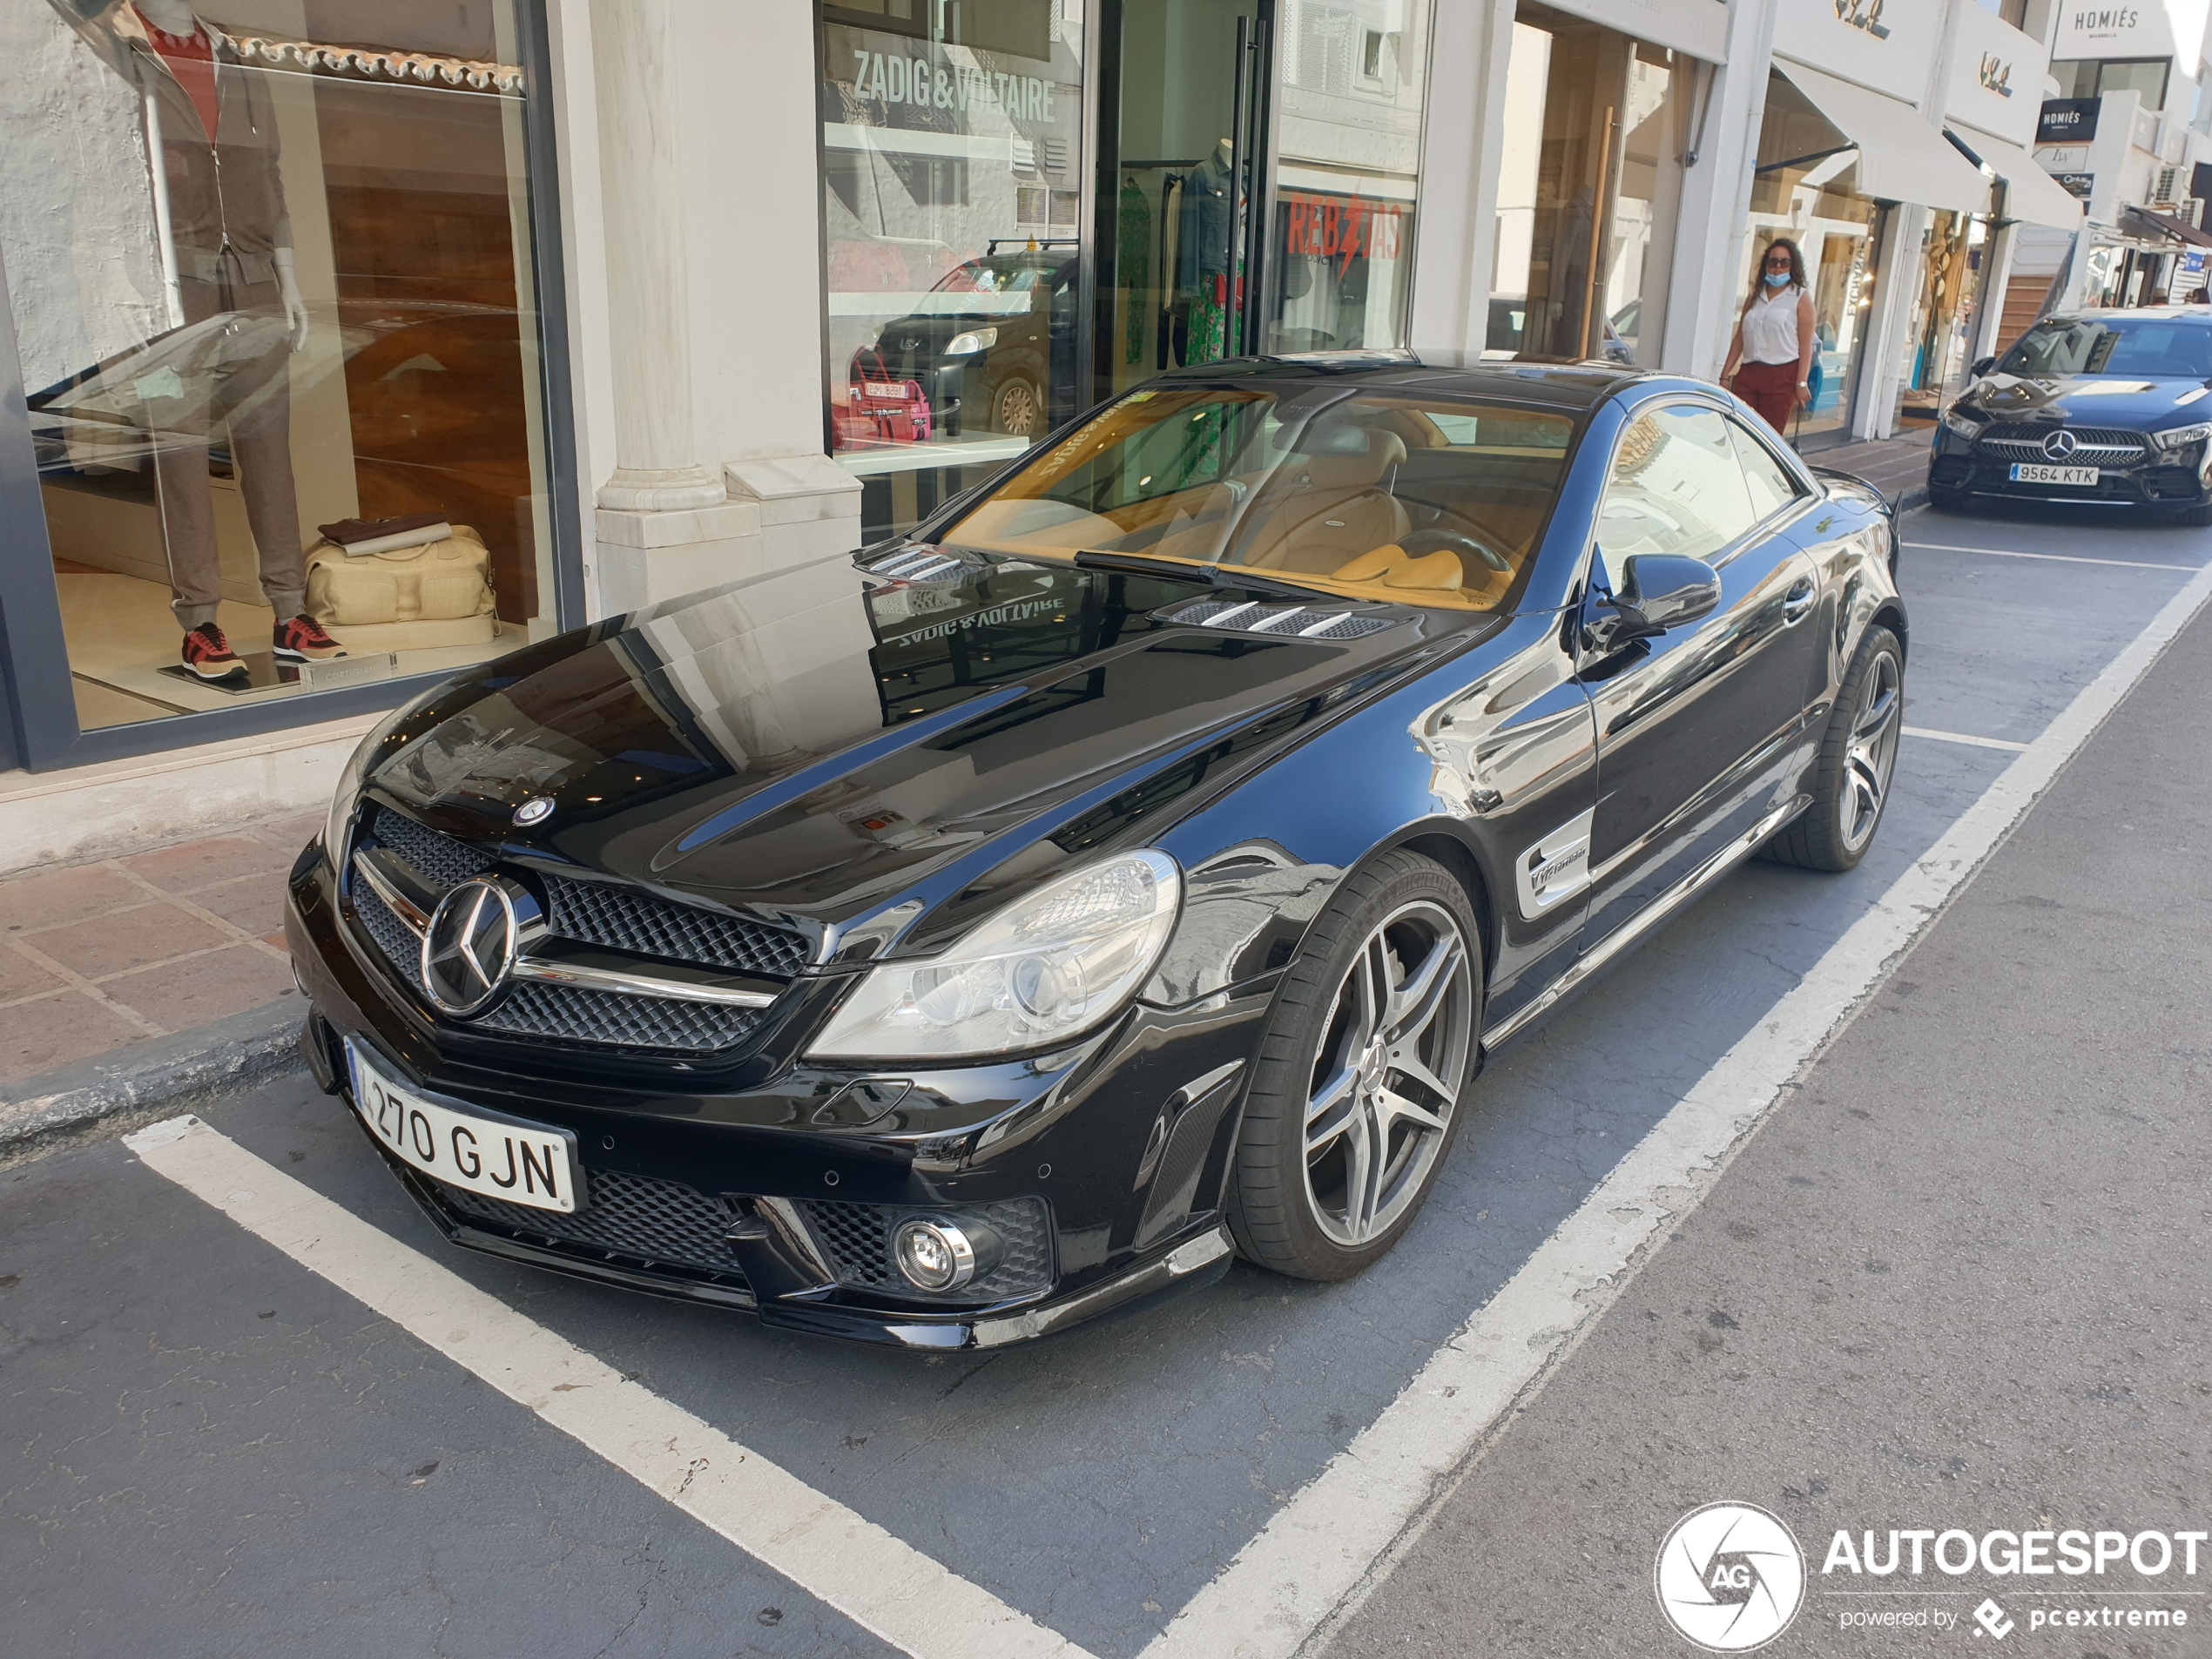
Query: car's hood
[2091, 399]
[797, 747]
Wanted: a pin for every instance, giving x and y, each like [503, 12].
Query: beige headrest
[1372, 563]
[1440, 571]
[1385, 450]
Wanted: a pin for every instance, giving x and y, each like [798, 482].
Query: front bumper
[2155, 479]
[746, 1185]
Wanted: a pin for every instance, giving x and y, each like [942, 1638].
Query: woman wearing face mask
[1770, 359]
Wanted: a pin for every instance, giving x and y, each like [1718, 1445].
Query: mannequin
[1205, 259]
[234, 262]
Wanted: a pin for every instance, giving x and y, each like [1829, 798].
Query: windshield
[1002, 274]
[1420, 500]
[2141, 347]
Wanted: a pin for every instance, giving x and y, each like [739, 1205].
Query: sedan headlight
[1049, 967]
[1959, 427]
[2180, 437]
[338, 827]
[974, 341]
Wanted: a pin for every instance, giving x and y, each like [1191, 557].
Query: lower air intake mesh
[638, 1217]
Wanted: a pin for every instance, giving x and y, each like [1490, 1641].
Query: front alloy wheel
[1355, 1092]
[1851, 779]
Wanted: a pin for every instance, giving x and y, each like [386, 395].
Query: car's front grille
[2094, 446]
[623, 920]
[856, 1238]
[637, 1218]
[574, 1014]
[592, 914]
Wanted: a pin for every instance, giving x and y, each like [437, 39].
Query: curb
[148, 1081]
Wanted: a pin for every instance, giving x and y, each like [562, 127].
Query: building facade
[526, 312]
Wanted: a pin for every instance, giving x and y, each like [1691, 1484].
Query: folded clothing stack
[361, 536]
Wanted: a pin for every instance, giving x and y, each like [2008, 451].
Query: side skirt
[1631, 933]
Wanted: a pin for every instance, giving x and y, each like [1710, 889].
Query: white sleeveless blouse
[1770, 329]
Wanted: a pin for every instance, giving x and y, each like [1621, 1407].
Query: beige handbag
[444, 581]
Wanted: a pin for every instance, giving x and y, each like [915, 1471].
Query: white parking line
[1935, 735]
[2054, 559]
[1321, 1553]
[887, 1586]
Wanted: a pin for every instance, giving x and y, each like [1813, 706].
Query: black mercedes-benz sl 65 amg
[2105, 407]
[1128, 869]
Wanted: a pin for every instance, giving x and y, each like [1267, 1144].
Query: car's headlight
[2180, 437]
[1959, 426]
[974, 340]
[338, 827]
[1049, 967]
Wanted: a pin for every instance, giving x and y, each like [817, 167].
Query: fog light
[934, 1254]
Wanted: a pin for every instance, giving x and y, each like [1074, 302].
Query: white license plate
[2034, 472]
[520, 1162]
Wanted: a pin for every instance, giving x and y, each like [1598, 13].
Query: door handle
[1796, 604]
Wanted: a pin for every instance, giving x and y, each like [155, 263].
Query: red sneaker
[209, 655]
[303, 640]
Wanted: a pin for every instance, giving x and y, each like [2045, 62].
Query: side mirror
[1658, 591]
[1982, 366]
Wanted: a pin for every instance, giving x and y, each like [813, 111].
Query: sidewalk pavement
[1898, 466]
[136, 982]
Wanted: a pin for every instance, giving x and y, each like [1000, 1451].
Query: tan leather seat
[1335, 508]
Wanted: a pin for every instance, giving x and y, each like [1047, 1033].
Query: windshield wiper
[1208, 575]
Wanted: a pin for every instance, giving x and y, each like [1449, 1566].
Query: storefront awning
[2031, 195]
[1901, 158]
[2141, 222]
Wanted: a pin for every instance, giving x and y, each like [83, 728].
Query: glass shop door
[1186, 182]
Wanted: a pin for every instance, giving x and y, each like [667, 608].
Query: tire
[1857, 761]
[1016, 408]
[1950, 500]
[1299, 1204]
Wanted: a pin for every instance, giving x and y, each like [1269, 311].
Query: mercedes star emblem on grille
[468, 948]
[2059, 445]
[532, 811]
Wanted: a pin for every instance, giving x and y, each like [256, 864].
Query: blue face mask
[1777, 278]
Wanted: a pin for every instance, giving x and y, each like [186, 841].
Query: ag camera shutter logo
[1730, 1577]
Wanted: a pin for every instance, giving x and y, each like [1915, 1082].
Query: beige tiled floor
[99, 956]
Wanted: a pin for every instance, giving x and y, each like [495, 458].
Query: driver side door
[1698, 729]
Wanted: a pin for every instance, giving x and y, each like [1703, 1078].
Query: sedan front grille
[2094, 446]
[857, 1240]
[592, 914]
[621, 918]
[638, 1218]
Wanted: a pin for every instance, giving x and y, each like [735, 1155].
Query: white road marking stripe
[2054, 559]
[1962, 737]
[879, 1583]
[1321, 1553]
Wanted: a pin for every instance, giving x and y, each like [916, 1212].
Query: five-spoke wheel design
[1870, 755]
[1389, 1071]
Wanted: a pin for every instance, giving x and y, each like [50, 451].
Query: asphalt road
[1900, 1317]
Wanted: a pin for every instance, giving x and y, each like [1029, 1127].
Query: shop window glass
[1933, 368]
[271, 288]
[1587, 191]
[1676, 487]
[1346, 181]
[952, 156]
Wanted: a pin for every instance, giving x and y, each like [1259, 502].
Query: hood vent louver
[1279, 622]
[915, 564]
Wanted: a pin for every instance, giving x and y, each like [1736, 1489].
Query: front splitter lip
[1197, 1260]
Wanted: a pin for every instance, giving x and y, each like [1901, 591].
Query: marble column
[657, 466]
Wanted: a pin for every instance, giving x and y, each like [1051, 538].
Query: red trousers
[1772, 389]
